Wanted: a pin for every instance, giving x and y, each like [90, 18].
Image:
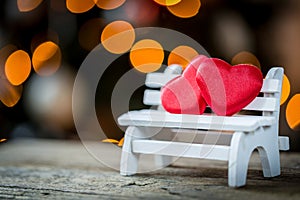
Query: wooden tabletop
[56, 169]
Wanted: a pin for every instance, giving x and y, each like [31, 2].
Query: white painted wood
[152, 97]
[178, 149]
[284, 143]
[270, 86]
[263, 104]
[207, 121]
[157, 80]
[245, 133]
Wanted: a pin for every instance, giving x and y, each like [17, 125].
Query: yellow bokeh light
[109, 4]
[9, 94]
[167, 2]
[146, 55]
[118, 37]
[3, 140]
[17, 67]
[245, 57]
[28, 5]
[185, 8]
[89, 33]
[293, 112]
[286, 88]
[79, 6]
[46, 58]
[182, 55]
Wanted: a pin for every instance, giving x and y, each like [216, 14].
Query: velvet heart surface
[228, 89]
[182, 95]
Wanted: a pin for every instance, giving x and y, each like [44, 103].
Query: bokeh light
[48, 99]
[141, 13]
[28, 5]
[146, 55]
[3, 140]
[5, 52]
[286, 88]
[293, 112]
[90, 33]
[185, 8]
[9, 94]
[118, 37]
[245, 57]
[182, 55]
[46, 58]
[79, 6]
[167, 2]
[109, 4]
[17, 67]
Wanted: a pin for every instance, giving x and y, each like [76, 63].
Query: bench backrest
[269, 103]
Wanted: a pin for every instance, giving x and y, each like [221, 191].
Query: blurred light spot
[41, 37]
[167, 2]
[109, 4]
[48, 100]
[146, 55]
[286, 88]
[182, 55]
[18, 67]
[118, 37]
[293, 112]
[245, 57]
[4, 54]
[3, 140]
[28, 5]
[46, 58]
[79, 6]
[9, 94]
[141, 13]
[185, 8]
[90, 33]
[111, 141]
[121, 142]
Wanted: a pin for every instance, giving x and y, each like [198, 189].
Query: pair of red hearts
[210, 81]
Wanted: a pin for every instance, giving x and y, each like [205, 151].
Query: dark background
[270, 29]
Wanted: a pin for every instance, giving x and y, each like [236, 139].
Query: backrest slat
[157, 80]
[152, 97]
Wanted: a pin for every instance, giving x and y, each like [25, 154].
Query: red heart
[182, 94]
[228, 89]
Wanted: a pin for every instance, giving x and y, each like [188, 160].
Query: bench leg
[238, 160]
[269, 156]
[129, 160]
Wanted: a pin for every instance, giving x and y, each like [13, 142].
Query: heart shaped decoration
[228, 89]
[182, 95]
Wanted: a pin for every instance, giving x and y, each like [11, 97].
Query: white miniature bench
[241, 134]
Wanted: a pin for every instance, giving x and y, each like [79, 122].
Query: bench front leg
[129, 160]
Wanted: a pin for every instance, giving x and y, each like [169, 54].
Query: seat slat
[169, 148]
[207, 121]
[152, 97]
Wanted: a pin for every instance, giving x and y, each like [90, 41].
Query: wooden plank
[284, 143]
[152, 97]
[157, 80]
[263, 104]
[179, 149]
[206, 121]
